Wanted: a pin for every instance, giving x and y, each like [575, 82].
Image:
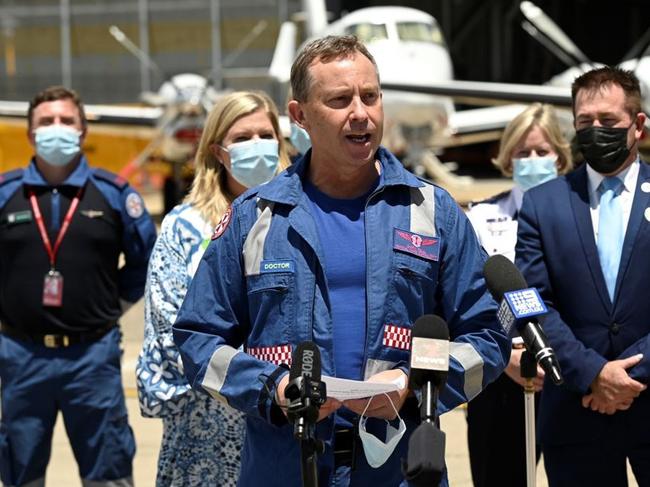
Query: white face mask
[377, 452]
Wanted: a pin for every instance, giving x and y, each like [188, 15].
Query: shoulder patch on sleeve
[112, 178]
[10, 176]
[134, 205]
[223, 224]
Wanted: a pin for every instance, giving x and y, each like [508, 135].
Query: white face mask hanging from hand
[377, 452]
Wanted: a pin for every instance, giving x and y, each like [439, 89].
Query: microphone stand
[529, 372]
[428, 413]
[306, 397]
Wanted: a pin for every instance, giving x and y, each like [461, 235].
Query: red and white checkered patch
[276, 355]
[223, 224]
[397, 337]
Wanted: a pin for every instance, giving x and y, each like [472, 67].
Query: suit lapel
[579, 192]
[637, 216]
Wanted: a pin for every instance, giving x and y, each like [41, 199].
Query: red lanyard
[51, 252]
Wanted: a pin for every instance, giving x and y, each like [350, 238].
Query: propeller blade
[550, 29]
[547, 43]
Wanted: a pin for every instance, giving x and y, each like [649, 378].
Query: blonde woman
[241, 147]
[532, 151]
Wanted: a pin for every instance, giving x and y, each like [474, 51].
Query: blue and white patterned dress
[202, 438]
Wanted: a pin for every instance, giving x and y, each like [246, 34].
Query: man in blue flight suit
[583, 241]
[63, 227]
[346, 249]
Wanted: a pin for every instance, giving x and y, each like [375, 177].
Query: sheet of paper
[343, 389]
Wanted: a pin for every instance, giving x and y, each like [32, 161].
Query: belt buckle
[50, 341]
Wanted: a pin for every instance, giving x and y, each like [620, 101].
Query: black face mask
[604, 148]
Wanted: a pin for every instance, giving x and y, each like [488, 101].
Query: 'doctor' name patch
[268, 266]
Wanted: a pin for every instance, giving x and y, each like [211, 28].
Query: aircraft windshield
[367, 32]
[420, 32]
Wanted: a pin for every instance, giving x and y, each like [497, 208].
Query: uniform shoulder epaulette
[114, 179]
[492, 199]
[10, 176]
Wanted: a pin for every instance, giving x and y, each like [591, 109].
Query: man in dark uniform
[63, 228]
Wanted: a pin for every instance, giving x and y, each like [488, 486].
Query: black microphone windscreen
[502, 276]
[306, 361]
[429, 351]
[430, 326]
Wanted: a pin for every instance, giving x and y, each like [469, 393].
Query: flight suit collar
[287, 187]
[33, 177]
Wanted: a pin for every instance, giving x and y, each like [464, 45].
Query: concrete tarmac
[62, 471]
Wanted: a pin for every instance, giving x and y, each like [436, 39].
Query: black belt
[57, 340]
[345, 447]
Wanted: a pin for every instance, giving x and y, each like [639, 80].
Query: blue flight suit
[67, 358]
[261, 284]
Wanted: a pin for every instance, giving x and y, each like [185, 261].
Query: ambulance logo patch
[420, 245]
[396, 337]
[223, 224]
[278, 355]
[134, 205]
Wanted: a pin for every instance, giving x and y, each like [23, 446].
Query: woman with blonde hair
[532, 151]
[241, 146]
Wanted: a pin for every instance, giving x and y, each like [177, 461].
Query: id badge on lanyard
[53, 281]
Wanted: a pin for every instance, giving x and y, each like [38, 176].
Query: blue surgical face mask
[300, 138]
[254, 161]
[528, 172]
[377, 452]
[57, 144]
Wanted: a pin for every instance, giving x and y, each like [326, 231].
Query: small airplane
[407, 44]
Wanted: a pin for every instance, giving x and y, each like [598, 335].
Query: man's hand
[613, 389]
[380, 406]
[589, 401]
[326, 409]
[513, 370]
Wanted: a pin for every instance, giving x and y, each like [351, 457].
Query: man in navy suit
[584, 243]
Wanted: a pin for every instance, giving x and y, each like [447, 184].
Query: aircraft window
[367, 32]
[420, 32]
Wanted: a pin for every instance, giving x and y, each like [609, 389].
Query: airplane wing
[490, 92]
[110, 114]
[506, 101]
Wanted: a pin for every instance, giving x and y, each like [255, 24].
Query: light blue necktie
[611, 231]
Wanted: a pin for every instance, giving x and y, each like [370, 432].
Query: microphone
[305, 390]
[519, 307]
[429, 361]
[306, 393]
[429, 368]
